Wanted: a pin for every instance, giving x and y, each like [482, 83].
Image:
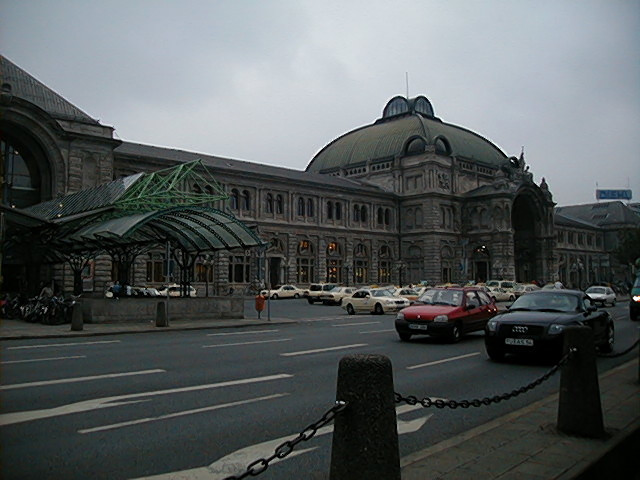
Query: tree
[628, 249]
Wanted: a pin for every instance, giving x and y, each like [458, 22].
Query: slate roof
[26, 87]
[601, 214]
[220, 164]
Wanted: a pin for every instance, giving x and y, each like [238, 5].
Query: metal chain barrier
[453, 404]
[619, 354]
[285, 448]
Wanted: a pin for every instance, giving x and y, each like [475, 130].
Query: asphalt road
[171, 405]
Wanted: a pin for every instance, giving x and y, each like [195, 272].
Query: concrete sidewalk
[523, 445]
[526, 445]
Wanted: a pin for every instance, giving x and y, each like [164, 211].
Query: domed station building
[465, 210]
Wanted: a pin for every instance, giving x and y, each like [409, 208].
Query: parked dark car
[535, 322]
[448, 312]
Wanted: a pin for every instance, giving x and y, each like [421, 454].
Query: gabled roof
[602, 214]
[19, 83]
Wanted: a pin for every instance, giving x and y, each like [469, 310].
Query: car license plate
[417, 326]
[526, 342]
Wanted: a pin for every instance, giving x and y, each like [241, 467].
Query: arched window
[360, 250]
[363, 213]
[279, 205]
[380, 216]
[338, 211]
[330, 210]
[269, 204]
[246, 200]
[276, 246]
[310, 209]
[234, 199]
[387, 216]
[334, 249]
[356, 213]
[418, 217]
[305, 247]
[384, 264]
[305, 262]
[301, 207]
[442, 146]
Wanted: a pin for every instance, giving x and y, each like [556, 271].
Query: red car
[447, 312]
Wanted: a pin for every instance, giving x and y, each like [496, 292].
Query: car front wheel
[456, 334]
[350, 309]
[378, 310]
[405, 337]
[274, 296]
[297, 295]
[495, 354]
[607, 345]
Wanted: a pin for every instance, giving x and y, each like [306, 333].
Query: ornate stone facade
[415, 199]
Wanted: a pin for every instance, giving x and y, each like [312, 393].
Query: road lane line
[79, 379]
[43, 359]
[445, 360]
[380, 331]
[328, 349]
[241, 333]
[353, 324]
[180, 414]
[246, 343]
[236, 462]
[61, 344]
[106, 402]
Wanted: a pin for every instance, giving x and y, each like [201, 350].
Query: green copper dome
[405, 127]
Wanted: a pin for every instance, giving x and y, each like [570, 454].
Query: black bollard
[365, 436]
[161, 315]
[76, 317]
[579, 406]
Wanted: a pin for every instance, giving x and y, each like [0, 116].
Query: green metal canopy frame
[141, 212]
[194, 228]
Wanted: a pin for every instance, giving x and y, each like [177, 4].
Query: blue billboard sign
[613, 194]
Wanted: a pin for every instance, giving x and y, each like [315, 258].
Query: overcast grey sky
[275, 81]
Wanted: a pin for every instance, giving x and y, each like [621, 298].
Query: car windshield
[442, 297]
[555, 302]
[596, 290]
[336, 289]
[381, 293]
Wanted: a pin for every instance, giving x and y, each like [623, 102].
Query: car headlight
[636, 298]
[492, 325]
[554, 329]
[400, 316]
[441, 318]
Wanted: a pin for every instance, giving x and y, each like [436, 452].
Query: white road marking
[62, 344]
[180, 414]
[78, 379]
[380, 331]
[353, 324]
[236, 462]
[328, 349]
[445, 360]
[241, 333]
[106, 402]
[44, 359]
[246, 343]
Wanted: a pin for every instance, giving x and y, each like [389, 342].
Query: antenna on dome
[406, 76]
